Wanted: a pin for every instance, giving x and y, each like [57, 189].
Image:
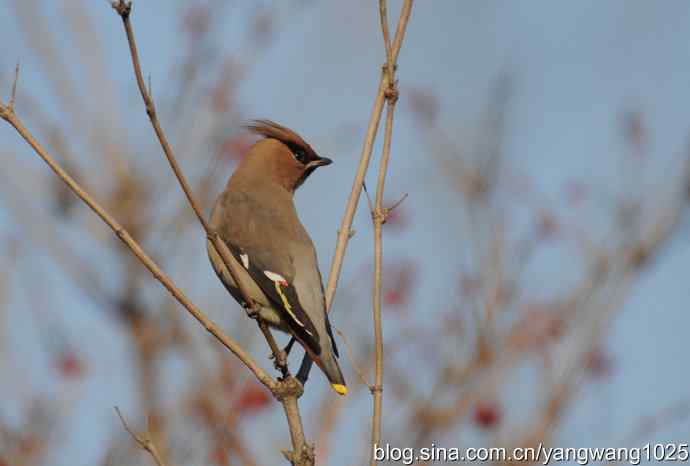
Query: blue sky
[577, 66]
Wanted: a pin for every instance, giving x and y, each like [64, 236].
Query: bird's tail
[327, 362]
[330, 367]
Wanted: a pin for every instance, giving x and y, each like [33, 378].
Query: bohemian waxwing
[256, 219]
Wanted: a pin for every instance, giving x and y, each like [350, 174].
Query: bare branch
[370, 203]
[13, 95]
[302, 453]
[379, 218]
[383, 14]
[351, 355]
[124, 9]
[288, 389]
[372, 129]
[345, 230]
[279, 357]
[144, 442]
[397, 204]
[126, 238]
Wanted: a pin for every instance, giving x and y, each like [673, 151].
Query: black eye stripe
[300, 155]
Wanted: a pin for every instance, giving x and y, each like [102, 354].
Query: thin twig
[397, 203]
[383, 10]
[8, 115]
[370, 203]
[144, 442]
[13, 95]
[354, 364]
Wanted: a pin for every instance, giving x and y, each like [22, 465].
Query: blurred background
[535, 279]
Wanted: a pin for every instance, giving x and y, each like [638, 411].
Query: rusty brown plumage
[271, 129]
[282, 157]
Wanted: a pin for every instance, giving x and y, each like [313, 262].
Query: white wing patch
[278, 280]
[245, 260]
[275, 277]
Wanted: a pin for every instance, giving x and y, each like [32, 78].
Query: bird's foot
[280, 362]
[252, 310]
[303, 373]
[288, 347]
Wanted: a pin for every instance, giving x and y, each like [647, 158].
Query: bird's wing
[274, 282]
[270, 264]
[309, 286]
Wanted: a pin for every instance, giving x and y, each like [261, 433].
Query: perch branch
[288, 389]
[7, 114]
[124, 9]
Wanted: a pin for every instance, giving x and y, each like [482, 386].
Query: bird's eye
[300, 155]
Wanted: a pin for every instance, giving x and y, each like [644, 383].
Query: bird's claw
[252, 310]
[280, 362]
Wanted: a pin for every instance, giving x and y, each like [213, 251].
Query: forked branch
[144, 442]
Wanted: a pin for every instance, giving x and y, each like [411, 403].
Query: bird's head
[283, 156]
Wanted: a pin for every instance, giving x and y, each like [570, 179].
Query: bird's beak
[320, 162]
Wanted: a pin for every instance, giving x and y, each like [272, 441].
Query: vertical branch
[379, 215]
[345, 231]
[383, 14]
[302, 454]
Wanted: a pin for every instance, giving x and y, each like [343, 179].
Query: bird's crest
[270, 129]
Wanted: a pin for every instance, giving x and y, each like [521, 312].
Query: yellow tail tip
[339, 388]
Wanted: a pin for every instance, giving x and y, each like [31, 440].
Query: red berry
[70, 366]
[487, 414]
[252, 399]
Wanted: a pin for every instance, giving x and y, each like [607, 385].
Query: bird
[256, 219]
